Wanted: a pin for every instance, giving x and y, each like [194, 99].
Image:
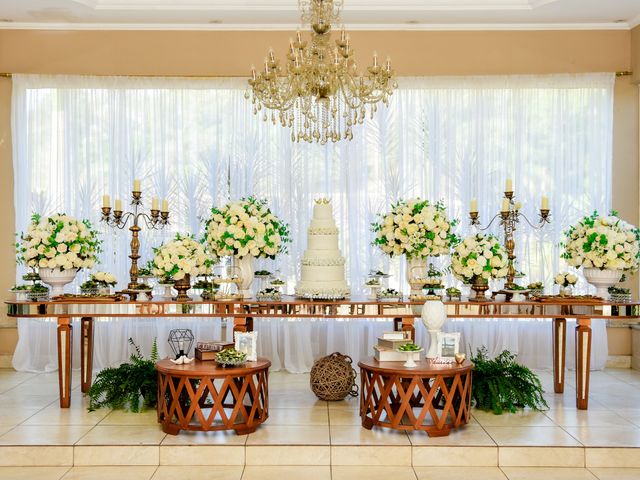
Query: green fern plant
[125, 386]
[501, 384]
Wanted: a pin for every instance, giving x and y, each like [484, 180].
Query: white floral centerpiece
[58, 246]
[179, 259]
[417, 229]
[477, 259]
[605, 247]
[565, 281]
[246, 229]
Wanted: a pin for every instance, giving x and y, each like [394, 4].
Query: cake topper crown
[322, 201]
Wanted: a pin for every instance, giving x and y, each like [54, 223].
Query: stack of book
[387, 348]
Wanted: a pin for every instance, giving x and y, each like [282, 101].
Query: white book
[395, 335]
[392, 343]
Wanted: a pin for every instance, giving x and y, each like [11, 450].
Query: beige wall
[635, 54]
[413, 53]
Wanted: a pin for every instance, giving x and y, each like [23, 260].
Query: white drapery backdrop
[197, 143]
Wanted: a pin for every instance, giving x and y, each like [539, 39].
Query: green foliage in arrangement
[501, 384]
[123, 387]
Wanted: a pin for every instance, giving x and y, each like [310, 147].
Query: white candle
[505, 205]
[136, 185]
[106, 201]
[509, 185]
[154, 203]
[165, 205]
[518, 206]
[545, 203]
[474, 205]
[118, 205]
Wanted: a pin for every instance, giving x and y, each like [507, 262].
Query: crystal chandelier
[318, 92]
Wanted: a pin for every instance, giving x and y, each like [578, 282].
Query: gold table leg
[583, 362]
[559, 353]
[65, 354]
[86, 353]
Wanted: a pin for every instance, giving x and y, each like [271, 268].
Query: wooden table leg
[583, 362]
[559, 353]
[243, 324]
[86, 353]
[65, 350]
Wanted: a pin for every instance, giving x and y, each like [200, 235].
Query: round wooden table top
[210, 368]
[423, 367]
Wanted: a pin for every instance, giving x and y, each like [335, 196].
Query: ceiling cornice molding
[634, 22]
[292, 5]
[293, 27]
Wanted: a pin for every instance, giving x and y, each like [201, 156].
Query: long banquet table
[403, 313]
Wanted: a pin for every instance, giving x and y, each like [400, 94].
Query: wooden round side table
[432, 397]
[204, 396]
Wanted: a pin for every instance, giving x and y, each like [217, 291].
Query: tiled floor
[308, 438]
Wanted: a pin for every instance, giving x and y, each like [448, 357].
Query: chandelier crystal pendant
[318, 92]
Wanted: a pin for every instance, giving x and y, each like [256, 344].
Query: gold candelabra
[118, 219]
[510, 214]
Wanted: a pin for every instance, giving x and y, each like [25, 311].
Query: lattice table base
[203, 396]
[431, 397]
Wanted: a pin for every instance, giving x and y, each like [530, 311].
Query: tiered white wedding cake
[322, 263]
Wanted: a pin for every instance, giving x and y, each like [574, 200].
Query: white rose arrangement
[602, 242]
[58, 241]
[479, 256]
[104, 279]
[246, 227]
[415, 228]
[179, 257]
[565, 279]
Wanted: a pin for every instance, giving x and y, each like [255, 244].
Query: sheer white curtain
[196, 143]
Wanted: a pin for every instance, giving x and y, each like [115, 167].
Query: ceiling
[284, 15]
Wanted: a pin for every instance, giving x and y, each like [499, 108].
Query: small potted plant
[619, 294]
[566, 281]
[21, 292]
[104, 282]
[536, 289]
[454, 293]
[38, 293]
[89, 288]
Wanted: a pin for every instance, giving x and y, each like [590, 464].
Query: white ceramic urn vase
[433, 317]
[245, 266]
[57, 279]
[602, 279]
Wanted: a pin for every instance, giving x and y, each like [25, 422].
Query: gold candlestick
[508, 220]
[155, 221]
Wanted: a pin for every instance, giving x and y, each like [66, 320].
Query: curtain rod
[624, 73]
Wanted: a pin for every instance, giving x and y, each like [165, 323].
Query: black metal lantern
[181, 340]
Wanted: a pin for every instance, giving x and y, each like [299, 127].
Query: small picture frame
[448, 345]
[246, 342]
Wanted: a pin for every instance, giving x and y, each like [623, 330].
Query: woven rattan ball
[333, 377]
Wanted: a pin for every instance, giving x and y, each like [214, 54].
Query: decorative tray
[588, 299]
[88, 298]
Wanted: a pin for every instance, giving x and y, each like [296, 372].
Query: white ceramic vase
[602, 279]
[433, 317]
[245, 266]
[57, 279]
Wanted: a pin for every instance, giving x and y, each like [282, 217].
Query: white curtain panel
[197, 143]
